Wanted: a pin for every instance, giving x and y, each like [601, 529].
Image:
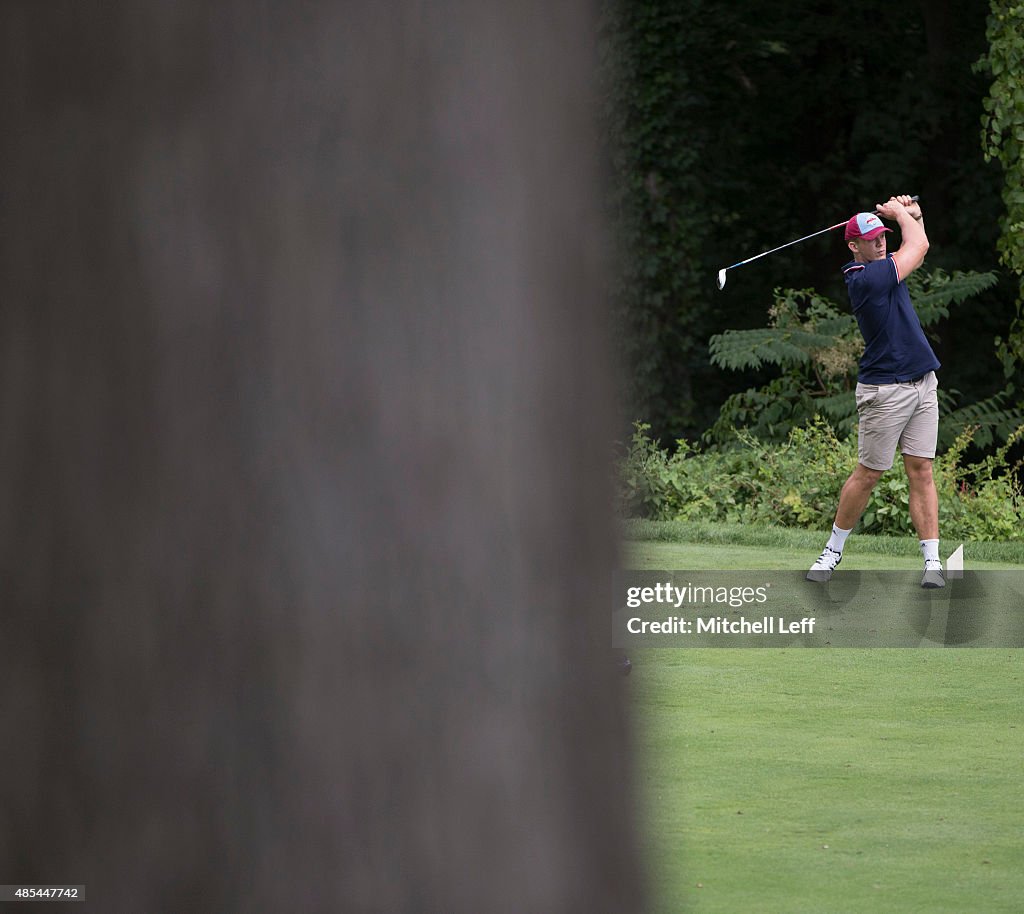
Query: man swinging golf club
[897, 402]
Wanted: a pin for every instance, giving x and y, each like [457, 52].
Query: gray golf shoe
[933, 575]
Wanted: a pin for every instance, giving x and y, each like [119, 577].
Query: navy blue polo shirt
[895, 347]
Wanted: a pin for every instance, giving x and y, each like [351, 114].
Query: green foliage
[792, 485]
[1002, 139]
[816, 345]
[652, 86]
[992, 419]
[888, 510]
[796, 483]
[984, 500]
[933, 291]
[712, 155]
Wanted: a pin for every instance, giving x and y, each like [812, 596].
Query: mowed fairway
[823, 780]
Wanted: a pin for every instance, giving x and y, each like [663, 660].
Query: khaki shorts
[904, 414]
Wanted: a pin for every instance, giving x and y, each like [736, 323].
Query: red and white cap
[866, 226]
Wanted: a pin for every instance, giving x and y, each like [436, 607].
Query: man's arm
[914, 245]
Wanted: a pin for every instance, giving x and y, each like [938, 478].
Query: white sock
[837, 540]
[930, 550]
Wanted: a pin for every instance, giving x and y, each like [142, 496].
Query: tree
[1002, 138]
[304, 541]
[739, 126]
[655, 144]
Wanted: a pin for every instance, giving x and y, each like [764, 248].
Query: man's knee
[866, 476]
[919, 469]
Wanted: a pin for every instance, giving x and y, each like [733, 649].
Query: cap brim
[874, 233]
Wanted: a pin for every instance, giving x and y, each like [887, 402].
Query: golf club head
[721, 279]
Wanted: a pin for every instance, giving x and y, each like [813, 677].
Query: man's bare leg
[852, 501]
[854, 497]
[924, 500]
[924, 513]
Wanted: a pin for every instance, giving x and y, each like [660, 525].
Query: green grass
[823, 780]
[686, 545]
[831, 781]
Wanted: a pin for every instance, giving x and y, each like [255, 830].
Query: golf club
[831, 228]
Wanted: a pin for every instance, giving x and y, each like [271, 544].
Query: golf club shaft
[831, 228]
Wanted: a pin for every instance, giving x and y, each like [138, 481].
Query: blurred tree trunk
[304, 419]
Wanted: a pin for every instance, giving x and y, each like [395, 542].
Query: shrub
[793, 484]
[797, 484]
[982, 500]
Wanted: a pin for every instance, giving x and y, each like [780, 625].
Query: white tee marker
[955, 563]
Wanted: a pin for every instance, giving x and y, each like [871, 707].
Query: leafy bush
[797, 483]
[793, 484]
[983, 500]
